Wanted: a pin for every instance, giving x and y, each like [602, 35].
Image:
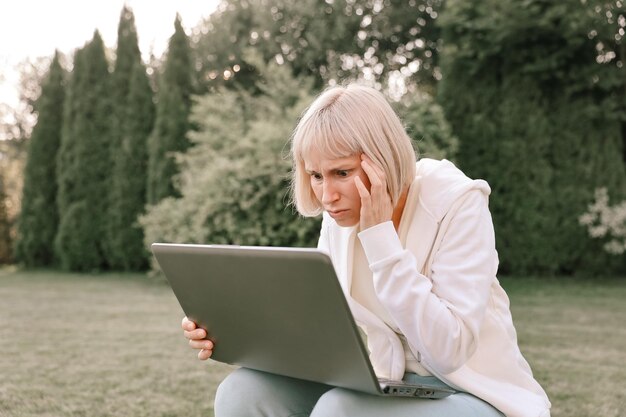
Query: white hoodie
[441, 291]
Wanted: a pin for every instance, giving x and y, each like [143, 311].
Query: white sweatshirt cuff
[380, 242]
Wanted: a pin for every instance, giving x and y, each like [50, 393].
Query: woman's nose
[329, 193]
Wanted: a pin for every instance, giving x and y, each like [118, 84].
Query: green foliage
[325, 40]
[134, 119]
[6, 255]
[39, 219]
[234, 180]
[535, 110]
[12, 162]
[75, 244]
[427, 126]
[83, 164]
[127, 54]
[176, 85]
[534, 92]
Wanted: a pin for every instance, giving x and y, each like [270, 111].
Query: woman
[414, 248]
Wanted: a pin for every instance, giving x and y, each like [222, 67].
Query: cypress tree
[66, 160]
[39, 218]
[84, 162]
[176, 85]
[134, 119]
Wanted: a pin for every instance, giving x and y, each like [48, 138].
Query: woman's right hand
[197, 339]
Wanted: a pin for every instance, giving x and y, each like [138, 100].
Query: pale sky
[33, 28]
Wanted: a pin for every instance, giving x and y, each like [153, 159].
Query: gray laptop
[279, 310]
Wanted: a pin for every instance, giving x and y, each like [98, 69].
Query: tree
[425, 122]
[39, 219]
[234, 180]
[16, 125]
[6, 255]
[333, 40]
[536, 112]
[84, 162]
[134, 119]
[12, 161]
[176, 85]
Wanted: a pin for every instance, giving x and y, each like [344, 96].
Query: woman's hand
[376, 206]
[197, 339]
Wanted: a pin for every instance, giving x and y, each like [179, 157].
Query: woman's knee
[239, 393]
[250, 393]
[337, 402]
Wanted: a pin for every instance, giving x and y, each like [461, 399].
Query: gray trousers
[248, 393]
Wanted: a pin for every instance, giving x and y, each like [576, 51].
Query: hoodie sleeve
[440, 316]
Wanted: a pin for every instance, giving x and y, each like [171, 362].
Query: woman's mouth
[335, 214]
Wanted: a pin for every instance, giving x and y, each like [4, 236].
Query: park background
[108, 151]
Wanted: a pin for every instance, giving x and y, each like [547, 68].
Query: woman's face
[332, 180]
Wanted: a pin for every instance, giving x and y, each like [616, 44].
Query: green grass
[110, 345]
[107, 345]
[573, 333]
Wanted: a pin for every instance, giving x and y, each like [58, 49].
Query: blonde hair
[348, 120]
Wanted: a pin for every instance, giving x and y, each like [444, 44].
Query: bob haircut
[348, 120]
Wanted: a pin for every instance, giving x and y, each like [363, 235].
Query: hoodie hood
[442, 184]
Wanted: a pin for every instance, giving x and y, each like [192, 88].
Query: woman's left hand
[376, 206]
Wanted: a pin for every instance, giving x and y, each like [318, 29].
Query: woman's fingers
[204, 354]
[188, 324]
[201, 344]
[378, 182]
[366, 218]
[192, 331]
[197, 339]
[376, 204]
[375, 174]
[362, 189]
[197, 334]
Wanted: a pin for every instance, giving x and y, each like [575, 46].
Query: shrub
[234, 179]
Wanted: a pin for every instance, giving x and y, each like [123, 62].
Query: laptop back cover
[279, 310]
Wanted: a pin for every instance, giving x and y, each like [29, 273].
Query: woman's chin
[347, 222]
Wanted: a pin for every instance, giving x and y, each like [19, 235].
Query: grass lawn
[110, 345]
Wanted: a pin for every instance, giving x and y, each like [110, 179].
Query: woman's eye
[316, 176]
[342, 173]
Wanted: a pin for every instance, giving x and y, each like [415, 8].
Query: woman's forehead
[315, 161]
